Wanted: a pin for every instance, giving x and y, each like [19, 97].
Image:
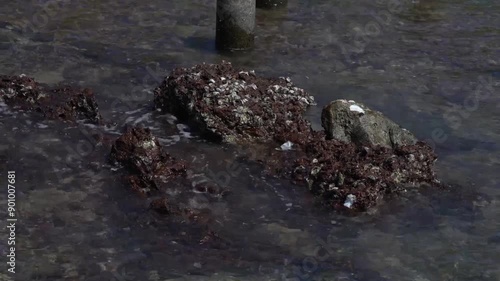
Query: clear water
[432, 66]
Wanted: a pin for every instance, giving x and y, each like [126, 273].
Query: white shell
[356, 108]
[287, 145]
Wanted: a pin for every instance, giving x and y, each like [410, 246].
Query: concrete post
[269, 4]
[235, 24]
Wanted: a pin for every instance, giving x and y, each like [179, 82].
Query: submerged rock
[165, 180]
[353, 122]
[233, 106]
[63, 103]
[149, 166]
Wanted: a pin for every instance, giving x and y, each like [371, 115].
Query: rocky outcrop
[353, 122]
[63, 102]
[359, 157]
[233, 106]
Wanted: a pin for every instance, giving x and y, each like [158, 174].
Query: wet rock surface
[359, 157]
[63, 102]
[234, 106]
[353, 122]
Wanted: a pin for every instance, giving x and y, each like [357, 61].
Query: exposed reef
[360, 156]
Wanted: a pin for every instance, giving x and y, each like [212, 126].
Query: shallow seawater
[431, 66]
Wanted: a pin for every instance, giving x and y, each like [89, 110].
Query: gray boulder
[350, 121]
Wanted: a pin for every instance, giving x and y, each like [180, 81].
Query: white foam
[144, 117]
[4, 108]
[183, 129]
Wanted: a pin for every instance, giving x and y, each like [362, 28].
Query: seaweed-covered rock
[64, 103]
[149, 166]
[349, 176]
[154, 173]
[234, 106]
[353, 122]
